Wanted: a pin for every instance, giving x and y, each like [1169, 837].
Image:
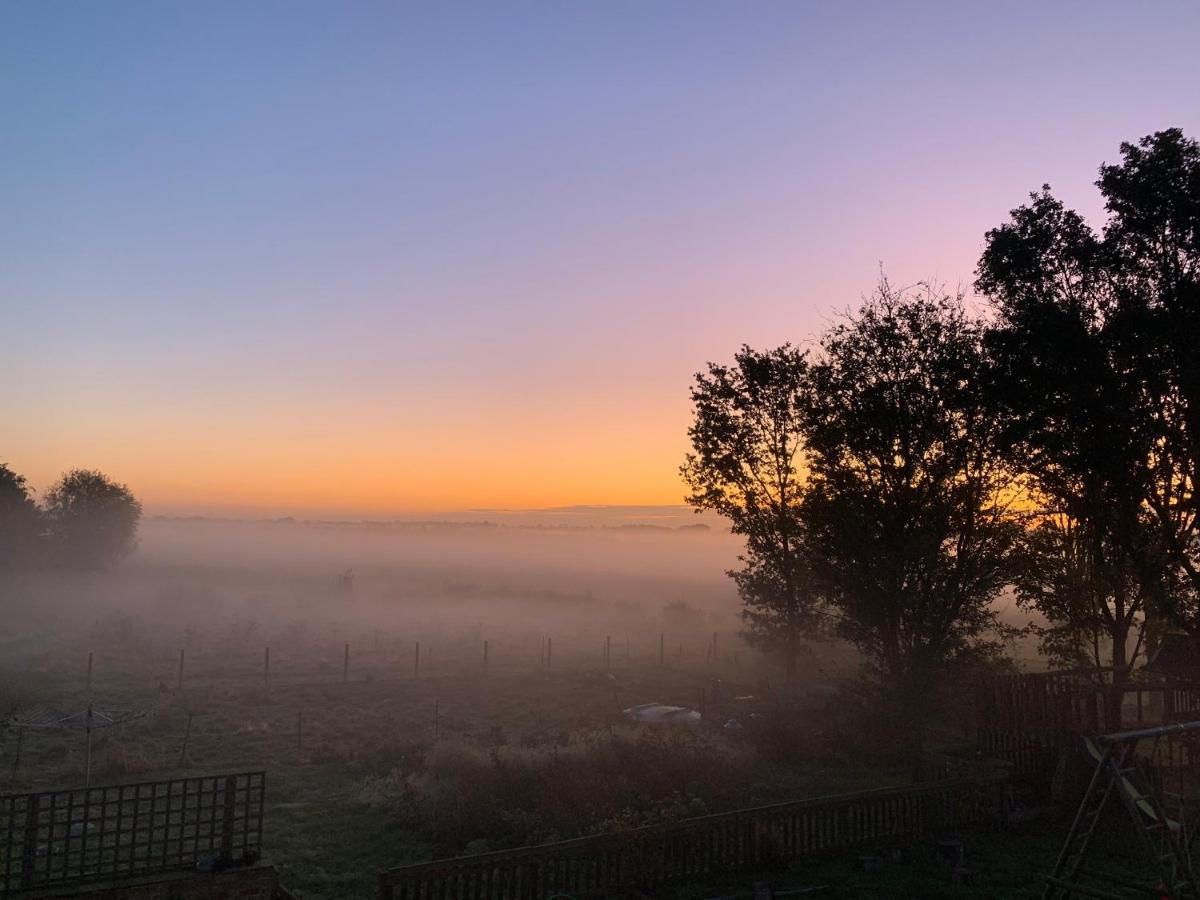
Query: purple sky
[378, 257]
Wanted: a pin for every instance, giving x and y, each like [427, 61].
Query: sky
[364, 258]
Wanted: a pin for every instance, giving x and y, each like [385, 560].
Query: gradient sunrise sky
[369, 258]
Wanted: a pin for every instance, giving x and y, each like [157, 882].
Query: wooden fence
[1031, 720]
[695, 849]
[56, 838]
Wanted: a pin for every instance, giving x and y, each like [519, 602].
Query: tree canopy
[747, 464]
[20, 521]
[91, 520]
[1099, 384]
[908, 510]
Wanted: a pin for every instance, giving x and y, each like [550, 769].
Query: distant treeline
[928, 455]
[443, 525]
[85, 521]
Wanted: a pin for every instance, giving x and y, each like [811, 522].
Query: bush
[515, 795]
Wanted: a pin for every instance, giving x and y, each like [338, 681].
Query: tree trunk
[791, 653]
[1115, 696]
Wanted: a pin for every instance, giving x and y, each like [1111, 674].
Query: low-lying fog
[575, 574]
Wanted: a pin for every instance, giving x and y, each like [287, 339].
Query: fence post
[29, 845]
[17, 758]
[87, 772]
[187, 733]
[227, 823]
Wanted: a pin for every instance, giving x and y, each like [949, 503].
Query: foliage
[521, 795]
[1152, 238]
[908, 511]
[92, 520]
[747, 464]
[1099, 385]
[20, 521]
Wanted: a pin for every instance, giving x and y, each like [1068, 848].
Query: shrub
[514, 795]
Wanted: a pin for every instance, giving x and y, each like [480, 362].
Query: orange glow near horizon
[375, 471]
[389, 258]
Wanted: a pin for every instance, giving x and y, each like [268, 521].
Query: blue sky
[383, 256]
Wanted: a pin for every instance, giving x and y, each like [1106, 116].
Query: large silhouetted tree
[1100, 386]
[746, 463]
[20, 522]
[92, 520]
[1152, 243]
[1072, 410]
[907, 513]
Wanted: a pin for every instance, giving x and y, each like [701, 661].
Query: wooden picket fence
[695, 849]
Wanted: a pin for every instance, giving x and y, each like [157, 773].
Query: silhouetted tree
[1100, 383]
[1093, 598]
[1073, 415]
[747, 451]
[20, 521]
[908, 509]
[92, 520]
[1152, 242]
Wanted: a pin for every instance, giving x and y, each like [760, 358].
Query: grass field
[370, 766]
[340, 804]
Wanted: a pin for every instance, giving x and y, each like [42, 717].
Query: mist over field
[569, 567]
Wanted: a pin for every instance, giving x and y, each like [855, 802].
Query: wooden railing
[55, 838]
[695, 849]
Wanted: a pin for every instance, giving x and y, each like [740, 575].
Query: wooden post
[346, 663]
[29, 849]
[267, 666]
[89, 672]
[17, 758]
[485, 657]
[87, 772]
[180, 683]
[187, 733]
[228, 818]
[417, 660]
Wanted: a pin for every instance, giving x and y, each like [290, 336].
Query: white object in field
[658, 713]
